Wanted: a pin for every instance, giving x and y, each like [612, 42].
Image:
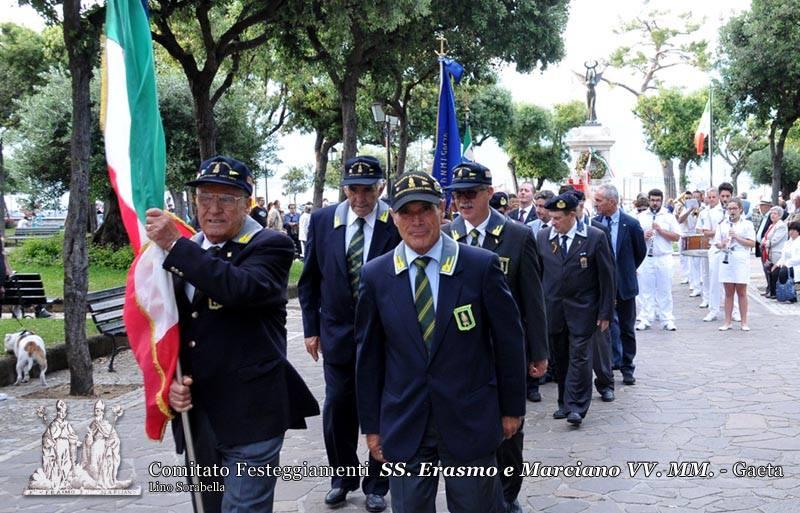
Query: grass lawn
[294, 272]
[51, 330]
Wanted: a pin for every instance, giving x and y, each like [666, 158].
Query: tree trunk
[76, 257]
[539, 183]
[204, 120]
[2, 192]
[776, 152]
[668, 170]
[402, 146]
[513, 168]
[683, 180]
[179, 202]
[112, 231]
[349, 93]
[321, 148]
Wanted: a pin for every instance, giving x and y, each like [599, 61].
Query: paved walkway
[702, 396]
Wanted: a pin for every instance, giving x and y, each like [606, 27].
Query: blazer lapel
[380, 234]
[576, 246]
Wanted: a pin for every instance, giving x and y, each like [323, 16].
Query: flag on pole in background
[468, 151]
[448, 141]
[136, 157]
[703, 129]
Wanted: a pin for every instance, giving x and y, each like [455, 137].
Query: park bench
[23, 234]
[105, 306]
[25, 290]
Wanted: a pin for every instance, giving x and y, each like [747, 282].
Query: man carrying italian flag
[226, 287]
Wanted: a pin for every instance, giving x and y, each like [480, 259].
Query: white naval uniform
[655, 273]
[693, 264]
[710, 218]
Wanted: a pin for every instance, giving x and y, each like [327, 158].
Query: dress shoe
[534, 396]
[685, 281]
[670, 326]
[560, 413]
[704, 304]
[574, 418]
[745, 327]
[724, 327]
[42, 313]
[710, 317]
[375, 502]
[336, 497]
[694, 293]
[643, 325]
[607, 395]
[772, 296]
[629, 380]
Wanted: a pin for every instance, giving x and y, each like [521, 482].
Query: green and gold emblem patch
[464, 318]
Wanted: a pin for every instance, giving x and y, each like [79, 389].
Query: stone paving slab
[701, 396]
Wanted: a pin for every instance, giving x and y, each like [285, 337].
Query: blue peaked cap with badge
[499, 200]
[362, 170]
[224, 171]
[565, 202]
[469, 175]
[415, 186]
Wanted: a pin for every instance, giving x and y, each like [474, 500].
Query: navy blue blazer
[324, 286]
[578, 290]
[233, 336]
[631, 252]
[475, 373]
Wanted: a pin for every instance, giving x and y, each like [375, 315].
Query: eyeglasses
[226, 201]
[468, 193]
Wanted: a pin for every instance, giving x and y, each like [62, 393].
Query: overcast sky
[589, 35]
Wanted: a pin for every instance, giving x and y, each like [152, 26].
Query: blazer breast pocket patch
[213, 305]
[504, 264]
[464, 318]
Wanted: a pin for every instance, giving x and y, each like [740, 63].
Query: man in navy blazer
[239, 389]
[630, 249]
[341, 238]
[441, 358]
[578, 282]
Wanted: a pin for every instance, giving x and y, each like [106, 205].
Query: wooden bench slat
[108, 304]
[106, 307]
[113, 314]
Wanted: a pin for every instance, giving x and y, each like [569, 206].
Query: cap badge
[561, 204]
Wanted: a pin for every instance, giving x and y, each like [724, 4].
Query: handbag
[784, 289]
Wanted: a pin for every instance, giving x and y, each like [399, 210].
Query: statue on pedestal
[592, 77]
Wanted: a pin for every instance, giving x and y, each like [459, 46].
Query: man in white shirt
[707, 223]
[716, 215]
[688, 220]
[302, 234]
[655, 274]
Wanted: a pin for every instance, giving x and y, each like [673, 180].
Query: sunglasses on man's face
[468, 193]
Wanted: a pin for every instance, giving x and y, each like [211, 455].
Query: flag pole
[190, 455]
[711, 134]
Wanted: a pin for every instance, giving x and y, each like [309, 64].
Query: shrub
[106, 256]
[44, 251]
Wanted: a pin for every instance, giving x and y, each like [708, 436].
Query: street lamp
[389, 123]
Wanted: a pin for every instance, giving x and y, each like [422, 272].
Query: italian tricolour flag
[703, 129]
[135, 152]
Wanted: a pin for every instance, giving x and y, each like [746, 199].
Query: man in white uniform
[655, 274]
[688, 220]
[707, 223]
[716, 293]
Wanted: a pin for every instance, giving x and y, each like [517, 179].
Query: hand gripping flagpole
[188, 440]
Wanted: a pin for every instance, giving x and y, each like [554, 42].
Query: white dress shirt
[660, 244]
[352, 228]
[481, 230]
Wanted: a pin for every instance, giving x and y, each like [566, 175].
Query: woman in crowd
[735, 236]
[790, 258]
[772, 246]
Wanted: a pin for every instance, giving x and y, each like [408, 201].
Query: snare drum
[695, 245]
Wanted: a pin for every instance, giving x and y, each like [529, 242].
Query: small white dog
[28, 347]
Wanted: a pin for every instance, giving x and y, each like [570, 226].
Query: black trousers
[573, 356]
[626, 313]
[340, 429]
[509, 454]
[601, 361]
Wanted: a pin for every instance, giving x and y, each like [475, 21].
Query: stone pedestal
[594, 138]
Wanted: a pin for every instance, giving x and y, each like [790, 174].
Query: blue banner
[448, 141]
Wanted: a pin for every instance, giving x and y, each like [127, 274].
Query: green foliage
[41, 251]
[22, 61]
[662, 41]
[760, 69]
[48, 251]
[760, 167]
[297, 180]
[669, 120]
[536, 140]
